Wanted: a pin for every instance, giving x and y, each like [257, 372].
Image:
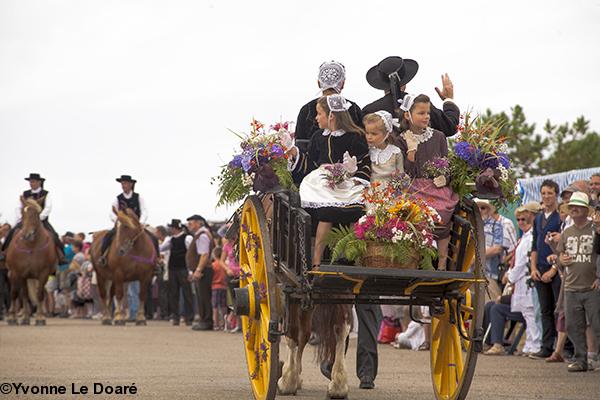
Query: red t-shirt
[219, 278]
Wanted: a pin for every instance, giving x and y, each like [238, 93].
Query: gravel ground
[163, 362]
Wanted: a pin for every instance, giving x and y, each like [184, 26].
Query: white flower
[503, 172]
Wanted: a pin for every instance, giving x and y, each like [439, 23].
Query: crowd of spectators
[72, 291]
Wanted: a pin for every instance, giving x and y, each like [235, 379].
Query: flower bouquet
[335, 174]
[438, 170]
[396, 232]
[261, 166]
[479, 162]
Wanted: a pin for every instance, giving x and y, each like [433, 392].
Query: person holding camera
[582, 278]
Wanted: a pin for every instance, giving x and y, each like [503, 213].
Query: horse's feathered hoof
[106, 322]
[120, 322]
[25, 321]
[285, 393]
[11, 322]
[140, 323]
[40, 322]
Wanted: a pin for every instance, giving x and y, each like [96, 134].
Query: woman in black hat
[392, 74]
[37, 192]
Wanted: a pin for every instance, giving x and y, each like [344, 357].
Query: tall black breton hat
[175, 223]
[378, 76]
[126, 178]
[35, 177]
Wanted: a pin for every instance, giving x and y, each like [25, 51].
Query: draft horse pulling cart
[276, 276]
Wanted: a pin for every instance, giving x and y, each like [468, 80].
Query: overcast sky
[90, 90]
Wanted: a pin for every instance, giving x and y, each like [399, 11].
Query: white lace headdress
[337, 103]
[387, 119]
[332, 75]
[407, 102]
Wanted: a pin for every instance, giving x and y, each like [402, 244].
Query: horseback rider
[128, 199]
[38, 193]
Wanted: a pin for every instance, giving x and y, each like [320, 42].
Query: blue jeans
[499, 314]
[133, 298]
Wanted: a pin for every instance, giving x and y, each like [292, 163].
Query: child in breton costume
[341, 141]
[420, 144]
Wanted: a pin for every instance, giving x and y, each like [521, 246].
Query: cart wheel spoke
[256, 273]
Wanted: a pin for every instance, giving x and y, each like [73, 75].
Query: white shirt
[143, 211]
[166, 244]
[203, 241]
[45, 212]
[509, 234]
[522, 297]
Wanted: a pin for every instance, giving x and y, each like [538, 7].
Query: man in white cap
[331, 80]
[581, 278]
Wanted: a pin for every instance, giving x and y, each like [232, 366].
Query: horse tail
[328, 323]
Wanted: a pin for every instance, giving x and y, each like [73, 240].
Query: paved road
[166, 362]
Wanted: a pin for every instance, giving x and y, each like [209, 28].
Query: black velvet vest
[133, 203]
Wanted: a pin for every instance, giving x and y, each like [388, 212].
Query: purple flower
[277, 151]
[441, 163]
[488, 160]
[236, 162]
[504, 160]
[247, 161]
[467, 152]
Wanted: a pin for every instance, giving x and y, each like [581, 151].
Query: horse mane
[33, 203]
[126, 219]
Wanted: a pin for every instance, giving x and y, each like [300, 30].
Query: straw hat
[532, 206]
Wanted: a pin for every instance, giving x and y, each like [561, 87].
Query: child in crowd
[219, 291]
[340, 144]
[232, 269]
[420, 144]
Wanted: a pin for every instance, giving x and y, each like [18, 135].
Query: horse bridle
[128, 245]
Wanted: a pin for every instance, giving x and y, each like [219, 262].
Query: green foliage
[231, 189]
[560, 148]
[343, 244]
[575, 146]
[285, 177]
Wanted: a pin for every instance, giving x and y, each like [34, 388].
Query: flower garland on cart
[261, 166]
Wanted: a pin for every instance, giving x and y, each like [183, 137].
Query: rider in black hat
[392, 74]
[128, 199]
[37, 192]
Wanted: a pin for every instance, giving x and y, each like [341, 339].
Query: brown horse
[31, 255]
[331, 323]
[131, 257]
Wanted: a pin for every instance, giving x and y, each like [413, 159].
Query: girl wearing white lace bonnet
[386, 157]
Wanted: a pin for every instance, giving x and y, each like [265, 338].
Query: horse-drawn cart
[274, 255]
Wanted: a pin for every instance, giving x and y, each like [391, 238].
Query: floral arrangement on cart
[261, 166]
[479, 162]
[396, 232]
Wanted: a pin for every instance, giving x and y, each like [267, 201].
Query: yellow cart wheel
[255, 301]
[453, 356]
